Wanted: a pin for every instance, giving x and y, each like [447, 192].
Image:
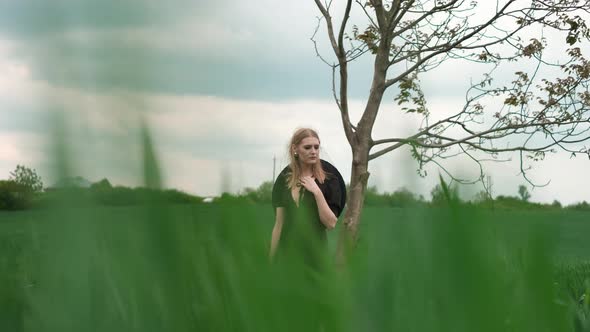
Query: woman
[308, 197]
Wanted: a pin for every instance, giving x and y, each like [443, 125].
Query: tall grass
[204, 267]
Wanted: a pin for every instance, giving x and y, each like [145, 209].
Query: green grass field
[205, 267]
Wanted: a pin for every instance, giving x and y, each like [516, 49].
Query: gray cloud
[241, 52]
[158, 71]
[231, 50]
[21, 121]
[247, 50]
[30, 19]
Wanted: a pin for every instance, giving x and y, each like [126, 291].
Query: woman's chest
[299, 195]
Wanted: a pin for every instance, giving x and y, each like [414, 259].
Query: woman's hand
[309, 183]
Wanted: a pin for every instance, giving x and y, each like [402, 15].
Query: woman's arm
[327, 217]
[276, 232]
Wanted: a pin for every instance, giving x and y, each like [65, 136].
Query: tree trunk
[361, 146]
[355, 200]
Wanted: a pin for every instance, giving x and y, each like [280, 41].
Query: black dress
[303, 233]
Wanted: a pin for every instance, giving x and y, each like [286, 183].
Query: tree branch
[338, 48]
[448, 46]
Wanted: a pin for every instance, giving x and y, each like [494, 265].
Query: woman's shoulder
[280, 184]
[282, 177]
[333, 176]
[330, 169]
[327, 166]
[284, 172]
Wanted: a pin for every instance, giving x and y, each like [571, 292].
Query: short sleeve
[278, 191]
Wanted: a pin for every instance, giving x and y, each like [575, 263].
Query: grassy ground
[568, 229]
[204, 267]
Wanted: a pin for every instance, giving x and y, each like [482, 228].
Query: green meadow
[187, 267]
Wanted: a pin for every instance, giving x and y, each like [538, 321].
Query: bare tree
[528, 115]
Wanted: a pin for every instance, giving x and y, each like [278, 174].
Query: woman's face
[308, 150]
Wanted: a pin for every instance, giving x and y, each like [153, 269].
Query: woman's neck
[306, 170]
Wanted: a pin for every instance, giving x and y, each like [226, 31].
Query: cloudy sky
[222, 85]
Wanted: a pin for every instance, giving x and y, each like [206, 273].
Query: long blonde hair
[295, 173]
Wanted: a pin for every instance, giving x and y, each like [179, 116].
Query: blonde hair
[295, 173]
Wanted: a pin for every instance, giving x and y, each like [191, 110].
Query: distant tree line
[403, 197]
[483, 199]
[25, 190]
[103, 193]
[21, 190]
